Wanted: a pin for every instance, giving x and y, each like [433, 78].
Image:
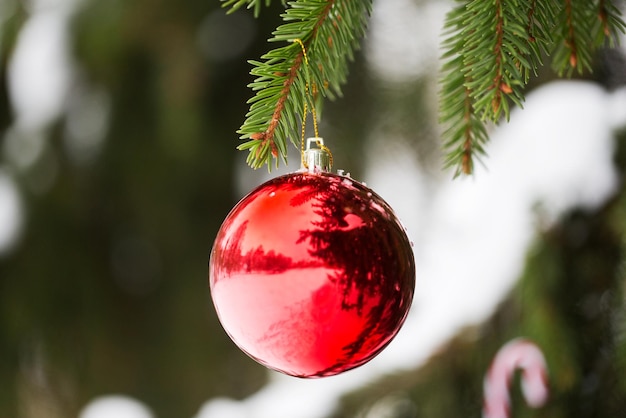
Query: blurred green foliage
[106, 291]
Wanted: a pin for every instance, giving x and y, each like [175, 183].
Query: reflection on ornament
[312, 274]
[517, 354]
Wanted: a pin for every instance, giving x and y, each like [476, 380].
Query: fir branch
[495, 35]
[330, 30]
[574, 40]
[493, 47]
[608, 24]
[541, 18]
[465, 131]
[488, 60]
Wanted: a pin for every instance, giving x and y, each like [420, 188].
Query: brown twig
[531, 20]
[498, 85]
[268, 136]
[466, 160]
[571, 36]
[602, 15]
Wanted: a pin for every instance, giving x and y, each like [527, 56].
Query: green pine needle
[251, 4]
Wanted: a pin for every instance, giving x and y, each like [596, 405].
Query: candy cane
[520, 354]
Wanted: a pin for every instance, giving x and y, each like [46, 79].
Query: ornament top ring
[311, 273]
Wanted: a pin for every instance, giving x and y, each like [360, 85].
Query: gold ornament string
[309, 97]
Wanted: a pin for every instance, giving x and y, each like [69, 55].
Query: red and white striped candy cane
[522, 354]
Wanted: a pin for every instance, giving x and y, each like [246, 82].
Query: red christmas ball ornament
[312, 273]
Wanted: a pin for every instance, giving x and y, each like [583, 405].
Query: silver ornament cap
[316, 159]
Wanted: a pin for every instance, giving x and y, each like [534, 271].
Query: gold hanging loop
[309, 98]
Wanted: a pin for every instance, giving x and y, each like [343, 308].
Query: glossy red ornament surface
[312, 274]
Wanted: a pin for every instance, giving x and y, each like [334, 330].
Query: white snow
[40, 69]
[10, 212]
[404, 37]
[115, 406]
